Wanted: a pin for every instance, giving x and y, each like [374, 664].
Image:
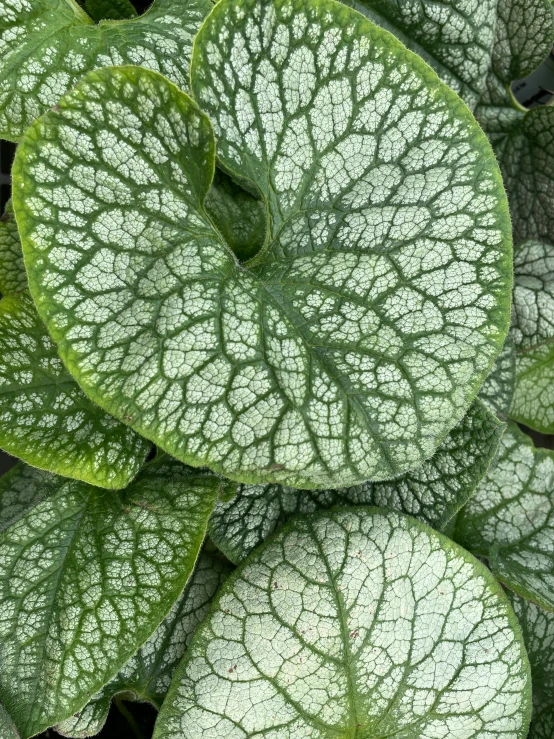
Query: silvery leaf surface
[433, 493]
[46, 419]
[47, 45]
[354, 622]
[147, 675]
[537, 626]
[86, 577]
[510, 518]
[533, 335]
[358, 336]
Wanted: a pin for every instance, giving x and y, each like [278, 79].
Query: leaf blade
[98, 571]
[315, 600]
[510, 519]
[148, 673]
[433, 493]
[48, 45]
[45, 419]
[335, 361]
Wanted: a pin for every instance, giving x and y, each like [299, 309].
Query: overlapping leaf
[455, 37]
[433, 492]
[355, 622]
[510, 519]
[46, 45]
[12, 270]
[45, 418]
[497, 392]
[148, 674]
[523, 141]
[86, 576]
[361, 332]
[533, 333]
[538, 633]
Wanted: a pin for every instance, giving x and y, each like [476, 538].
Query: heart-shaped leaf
[510, 519]
[358, 336]
[86, 576]
[533, 333]
[147, 675]
[354, 623]
[538, 633]
[100, 10]
[46, 45]
[455, 37]
[497, 392]
[45, 418]
[433, 492]
[13, 277]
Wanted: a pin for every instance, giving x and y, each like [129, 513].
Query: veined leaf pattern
[497, 392]
[147, 675]
[47, 45]
[433, 493]
[510, 519]
[533, 333]
[86, 577]
[354, 622]
[12, 270]
[45, 418]
[538, 633]
[359, 335]
[455, 37]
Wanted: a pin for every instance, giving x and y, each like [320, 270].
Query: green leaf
[538, 633]
[510, 519]
[47, 45]
[354, 623]
[7, 729]
[454, 36]
[148, 674]
[12, 270]
[497, 391]
[433, 492]
[100, 10]
[359, 335]
[523, 39]
[526, 157]
[86, 576]
[45, 418]
[239, 216]
[533, 333]
[523, 141]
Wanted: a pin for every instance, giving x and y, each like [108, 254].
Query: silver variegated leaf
[538, 633]
[46, 419]
[354, 622]
[455, 37]
[147, 675]
[47, 45]
[86, 577]
[510, 519]
[533, 334]
[358, 336]
[433, 493]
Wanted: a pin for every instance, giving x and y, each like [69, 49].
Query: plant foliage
[274, 239]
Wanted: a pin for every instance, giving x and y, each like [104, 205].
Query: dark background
[129, 720]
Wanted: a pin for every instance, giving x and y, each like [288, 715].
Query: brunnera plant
[273, 238]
